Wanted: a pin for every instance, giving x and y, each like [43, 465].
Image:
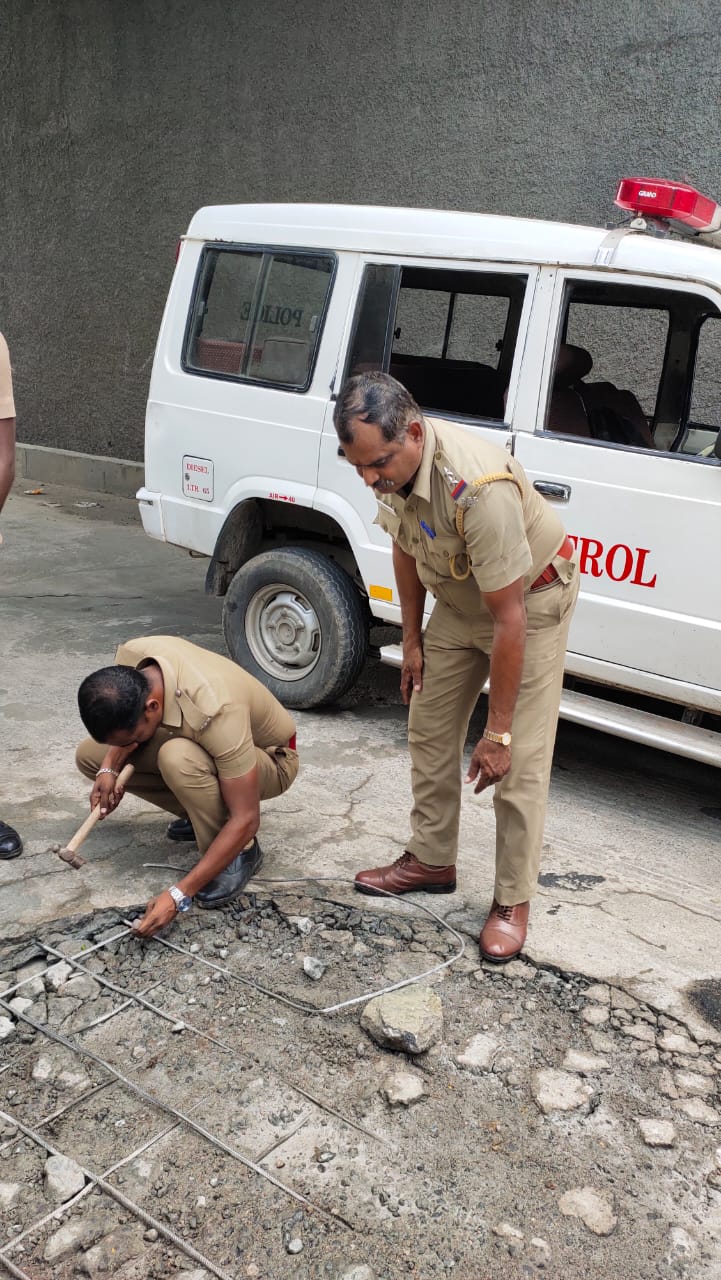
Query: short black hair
[378, 398]
[112, 700]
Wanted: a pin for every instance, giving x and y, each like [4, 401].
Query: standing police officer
[467, 526]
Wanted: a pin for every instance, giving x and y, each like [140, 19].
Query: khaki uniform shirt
[510, 531]
[7, 404]
[213, 701]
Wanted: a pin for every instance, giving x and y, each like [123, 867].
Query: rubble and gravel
[519, 1138]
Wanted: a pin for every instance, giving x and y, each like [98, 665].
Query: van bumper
[151, 513]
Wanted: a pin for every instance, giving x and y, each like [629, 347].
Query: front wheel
[294, 619]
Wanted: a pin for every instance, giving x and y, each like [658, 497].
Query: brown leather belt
[565, 551]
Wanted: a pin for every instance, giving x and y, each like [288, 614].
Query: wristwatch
[503, 738]
[181, 900]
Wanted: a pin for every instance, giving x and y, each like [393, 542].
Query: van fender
[239, 540]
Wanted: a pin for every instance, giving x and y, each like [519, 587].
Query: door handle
[552, 489]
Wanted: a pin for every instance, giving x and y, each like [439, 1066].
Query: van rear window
[257, 315]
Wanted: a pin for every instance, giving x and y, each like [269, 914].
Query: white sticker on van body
[198, 478]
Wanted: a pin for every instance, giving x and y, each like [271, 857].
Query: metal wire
[86, 951]
[154, 1101]
[303, 1005]
[138, 997]
[124, 1200]
[62, 1209]
[132, 996]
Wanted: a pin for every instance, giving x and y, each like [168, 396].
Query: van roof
[440, 233]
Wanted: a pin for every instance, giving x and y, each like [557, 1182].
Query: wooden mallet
[70, 853]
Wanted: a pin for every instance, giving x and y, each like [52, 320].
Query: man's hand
[159, 912]
[489, 763]
[412, 669]
[107, 793]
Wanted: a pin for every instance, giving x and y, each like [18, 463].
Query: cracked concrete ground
[629, 891]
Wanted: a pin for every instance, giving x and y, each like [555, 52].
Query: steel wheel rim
[283, 632]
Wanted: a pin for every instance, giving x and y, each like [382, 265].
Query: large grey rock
[559, 1091]
[63, 1178]
[7, 1028]
[313, 967]
[478, 1053]
[361, 1272]
[410, 1020]
[594, 1208]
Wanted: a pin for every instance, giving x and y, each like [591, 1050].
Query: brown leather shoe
[407, 875]
[504, 933]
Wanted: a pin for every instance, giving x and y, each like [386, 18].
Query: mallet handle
[82, 832]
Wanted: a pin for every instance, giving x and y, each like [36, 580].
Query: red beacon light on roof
[662, 201]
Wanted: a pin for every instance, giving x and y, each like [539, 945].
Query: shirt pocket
[446, 556]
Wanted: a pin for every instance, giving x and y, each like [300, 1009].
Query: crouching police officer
[208, 742]
[468, 526]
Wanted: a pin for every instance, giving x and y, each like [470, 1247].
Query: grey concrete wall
[118, 118]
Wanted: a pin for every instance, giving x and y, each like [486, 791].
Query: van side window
[704, 419]
[624, 368]
[449, 336]
[257, 315]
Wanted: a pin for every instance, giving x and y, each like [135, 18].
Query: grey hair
[378, 398]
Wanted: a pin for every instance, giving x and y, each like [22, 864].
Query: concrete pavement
[629, 887]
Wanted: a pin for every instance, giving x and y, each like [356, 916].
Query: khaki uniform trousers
[456, 649]
[177, 775]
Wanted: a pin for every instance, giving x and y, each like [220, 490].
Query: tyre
[294, 619]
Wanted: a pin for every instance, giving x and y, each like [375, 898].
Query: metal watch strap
[503, 738]
[179, 897]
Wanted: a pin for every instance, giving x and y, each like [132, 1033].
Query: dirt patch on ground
[224, 1127]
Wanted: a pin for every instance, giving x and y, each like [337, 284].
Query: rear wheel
[294, 619]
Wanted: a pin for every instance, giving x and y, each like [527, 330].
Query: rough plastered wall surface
[117, 121]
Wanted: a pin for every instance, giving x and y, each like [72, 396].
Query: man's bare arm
[412, 595]
[491, 760]
[242, 798]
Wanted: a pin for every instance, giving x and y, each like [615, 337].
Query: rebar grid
[127, 1203]
[188, 1026]
[99, 1180]
[153, 1101]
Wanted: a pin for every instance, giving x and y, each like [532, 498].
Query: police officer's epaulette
[463, 493]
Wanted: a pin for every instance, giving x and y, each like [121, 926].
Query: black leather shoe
[232, 881]
[180, 829]
[11, 846]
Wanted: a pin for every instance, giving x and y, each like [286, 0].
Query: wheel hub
[283, 632]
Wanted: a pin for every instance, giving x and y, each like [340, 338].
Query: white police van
[593, 356]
